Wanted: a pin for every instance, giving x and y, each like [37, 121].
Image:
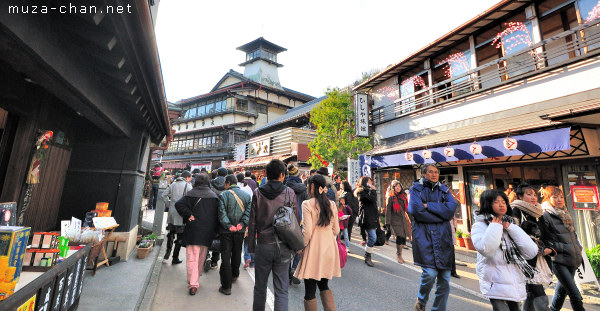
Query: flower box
[469, 244]
[461, 242]
[142, 252]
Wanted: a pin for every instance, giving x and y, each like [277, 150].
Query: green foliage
[466, 235]
[459, 234]
[334, 121]
[151, 237]
[145, 243]
[594, 257]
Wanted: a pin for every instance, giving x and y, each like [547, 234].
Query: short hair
[425, 167]
[202, 180]
[231, 179]
[213, 174]
[195, 171]
[275, 168]
[229, 171]
[240, 177]
[186, 174]
[487, 200]
[337, 176]
[253, 177]
[313, 171]
[521, 189]
[221, 171]
[247, 173]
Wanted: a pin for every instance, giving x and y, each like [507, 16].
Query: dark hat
[186, 174]
[202, 180]
[221, 171]
[292, 170]
[323, 171]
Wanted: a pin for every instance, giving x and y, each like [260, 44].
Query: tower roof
[261, 42]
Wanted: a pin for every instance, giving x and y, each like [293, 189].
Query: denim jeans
[266, 261]
[153, 197]
[344, 235]
[371, 237]
[504, 305]
[442, 290]
[566, 286]
[248, 255]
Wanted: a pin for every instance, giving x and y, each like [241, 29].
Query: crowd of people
[521, 243]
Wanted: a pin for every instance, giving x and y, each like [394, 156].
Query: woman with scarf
[503, 249]
[527, 213]
[561, 237]
[395, 216]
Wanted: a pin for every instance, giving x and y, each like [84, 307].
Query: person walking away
[396, 217]
[234, 213]
[369, 218]
[268, 257]
[320, 259]
[561, 237]
[432, 206]
[175, 226]
[199, 209]
[503, 249]
[249, 181]
[157, 174]
[352, 201]
[295, 183]
[344, 213]
[217, 185]
[243, 184]
[331, 193]
[527, 214]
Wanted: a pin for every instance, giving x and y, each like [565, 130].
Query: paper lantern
[510, 143]
[475, 148]
[449, 152]
[408, 156]
[427, 154]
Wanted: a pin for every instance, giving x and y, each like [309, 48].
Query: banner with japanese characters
[361, 112]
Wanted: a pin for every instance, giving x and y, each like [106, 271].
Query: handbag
[343, 252]
[286, 226]
[380, 241]
[544, 274]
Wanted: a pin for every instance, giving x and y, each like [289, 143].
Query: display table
[57, 289]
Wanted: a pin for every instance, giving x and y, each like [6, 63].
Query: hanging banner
[361, 115]
[353, 172]
[240, 152]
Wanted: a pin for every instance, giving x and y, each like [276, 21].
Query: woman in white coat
[503, 250]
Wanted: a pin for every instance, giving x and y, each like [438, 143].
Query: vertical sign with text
[353, 172]
[361, 112]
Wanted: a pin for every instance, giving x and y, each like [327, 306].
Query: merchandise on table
[13, 245]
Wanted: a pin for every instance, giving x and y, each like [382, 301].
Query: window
[252, 55]
[451, 64]
[261, 108]
[241, 105]
[554, 23]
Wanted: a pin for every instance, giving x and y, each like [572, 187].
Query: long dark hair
[487, 200]
[325, 214]
[347, 187]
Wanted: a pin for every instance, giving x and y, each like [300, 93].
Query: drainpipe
[169, 139]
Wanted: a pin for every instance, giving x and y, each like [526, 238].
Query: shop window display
[582, 199]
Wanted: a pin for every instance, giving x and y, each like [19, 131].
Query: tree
[334, 121]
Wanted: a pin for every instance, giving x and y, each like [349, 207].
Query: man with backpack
[295, 183]
[269, 256]
[234, 212]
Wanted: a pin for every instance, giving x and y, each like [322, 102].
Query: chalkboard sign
[44, 297]
[59, 286]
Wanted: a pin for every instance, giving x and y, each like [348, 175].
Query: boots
[310, 305]
[327, 300]
[399, 253]
[368, 259]
[175, 259]
[169, 245]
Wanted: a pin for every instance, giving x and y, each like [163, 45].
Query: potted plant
[459, 238]
[145, 246]
[468, 241]
[594, 257]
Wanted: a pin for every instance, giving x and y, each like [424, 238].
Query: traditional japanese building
[510, 96]
[213, 123]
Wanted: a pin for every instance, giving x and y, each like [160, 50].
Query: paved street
[387, 286]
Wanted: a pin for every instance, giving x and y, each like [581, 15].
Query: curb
[151, 283]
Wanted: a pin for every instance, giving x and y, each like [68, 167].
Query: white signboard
[353, 172]
[200, 166]
[585, 273]
[240, 152]
[260, 148]
[366, 168]
[361, 112]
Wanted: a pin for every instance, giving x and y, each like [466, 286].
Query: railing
[578, 43]
[217, 113]
[199, 148]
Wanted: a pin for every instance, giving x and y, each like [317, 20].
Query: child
[344, 212]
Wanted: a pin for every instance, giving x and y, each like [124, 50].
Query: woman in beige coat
[320, 259]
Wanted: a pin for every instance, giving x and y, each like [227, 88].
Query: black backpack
[330, 193]
[286, 226]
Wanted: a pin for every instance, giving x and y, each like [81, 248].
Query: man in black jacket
[294, 182]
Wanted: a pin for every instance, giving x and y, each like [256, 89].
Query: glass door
[477, 182]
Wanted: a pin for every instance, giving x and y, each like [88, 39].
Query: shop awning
[543, 141]
[258, 161]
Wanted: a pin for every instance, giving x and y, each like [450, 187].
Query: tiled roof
[291, 114]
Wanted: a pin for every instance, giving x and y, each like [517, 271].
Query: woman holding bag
[320, 259]
[396, 217]
[527, 213]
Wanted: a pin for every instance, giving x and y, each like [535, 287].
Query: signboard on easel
[585, 273]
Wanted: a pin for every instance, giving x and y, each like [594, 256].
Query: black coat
[369, 214]
[563, 241]
[204, 228]
[352, 201]
[520, 218]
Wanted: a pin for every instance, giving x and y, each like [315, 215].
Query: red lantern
[449, 152]
[408, 156]
[510, 143]
[427, 154]
[475, 148]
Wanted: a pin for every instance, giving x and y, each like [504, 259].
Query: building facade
[510, 96]
[213, 123]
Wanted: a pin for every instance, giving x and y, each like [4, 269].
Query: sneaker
[419, 306]
[247, 264]
[206, 267]
[455, 275]
[224, 291]
[294, 280]
[214, 265]
[176, 261]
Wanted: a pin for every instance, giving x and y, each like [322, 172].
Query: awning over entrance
[544, 141]
[258, 161]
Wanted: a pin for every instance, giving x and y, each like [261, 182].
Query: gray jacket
[172, 194]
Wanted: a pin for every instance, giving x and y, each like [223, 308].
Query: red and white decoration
[510, 143]
[475, 148]
[427, 154]
[409, 156]
[449, 152]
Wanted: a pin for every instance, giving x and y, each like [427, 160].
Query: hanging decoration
[513, 38]
[409, 156]
[510, 143]
[325, 163]
[427, 154]
[475, 148]
[449, 152]
[414, 80]
[41, 145]
[594, 13]
[456, 64]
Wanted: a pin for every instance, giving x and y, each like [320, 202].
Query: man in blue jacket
[432, 206]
